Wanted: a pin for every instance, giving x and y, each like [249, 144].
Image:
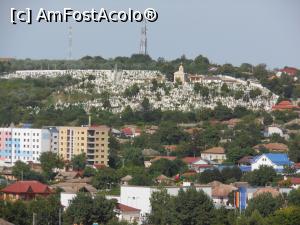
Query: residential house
[125, 180]
[273, 191]
[272, 147]
[270, 130]
[25, 190]
[214, 154]
[197, 164]
[127, 213]
[220, 192]
[67, 175]
[276, 160]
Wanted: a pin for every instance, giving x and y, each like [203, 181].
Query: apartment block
[93, 141]
[24, 144]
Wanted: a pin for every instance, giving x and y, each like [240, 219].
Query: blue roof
[245, 168]
[277, 158]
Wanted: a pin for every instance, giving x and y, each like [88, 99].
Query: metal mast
[143, 43]
[70, 42]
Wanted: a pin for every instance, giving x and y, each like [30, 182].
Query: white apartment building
[24, 144]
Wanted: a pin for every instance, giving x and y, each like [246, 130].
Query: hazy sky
[226, 31]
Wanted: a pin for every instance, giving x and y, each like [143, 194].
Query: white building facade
[24, 144]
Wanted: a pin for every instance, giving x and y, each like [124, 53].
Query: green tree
[265, 204]
[87, 210]
[105, 179]
[22, 171]
[162, 208]
[294, 198]
[193, 207]
[261, 177]
[294, 148]
[50, 161]
[79, 162]
[210, 175]
[285, 216]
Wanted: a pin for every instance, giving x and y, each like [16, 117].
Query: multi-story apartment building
[54, 139]
[25, 144]
[91, 140]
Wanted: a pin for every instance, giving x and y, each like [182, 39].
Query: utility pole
[33, 218]
[59, 216]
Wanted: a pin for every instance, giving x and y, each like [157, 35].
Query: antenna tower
[70, 42]
[143, 43]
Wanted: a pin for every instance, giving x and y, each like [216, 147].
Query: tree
[294, 198]
[87, 210]
[22, 171]
[261, 177]
[231, 173]
[265, 204]
[79, 162]
[294, 148]
[46, 209]
[210, 175]
[50, 161]
[133, 156]
[167, 167]
[162, 208]
[285, 216]
[193, 207]
[106, 178]
[15, 212]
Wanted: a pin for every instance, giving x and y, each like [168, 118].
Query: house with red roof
[285, 105]
[131, 132]
[127, 213]
[25, 190]
[291, 71]
[197, 164]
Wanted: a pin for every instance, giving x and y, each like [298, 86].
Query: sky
[225, 31]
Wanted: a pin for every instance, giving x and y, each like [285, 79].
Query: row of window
[19, 134]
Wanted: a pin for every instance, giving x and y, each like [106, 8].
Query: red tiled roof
[127, 131]
[285, 105]
[99, 166]
[215, 150]
[31, 186]
[163, 157]
[170, 147]
[126, 208]
[289, 70]
[190, 160]
[295, 180]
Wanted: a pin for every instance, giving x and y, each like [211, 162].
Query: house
[273, 191]
[220, 193]
[25, 190]
[272, 147]
[6, 172]
[284, 105]
[67, 175]
[127, 213]
[125, 180]
[276, 160]
[162, 179]
[131, 131]
[291, 71]
[214, 154]
[170, 148]
[139, 196]
[197, 164]
[273, 130]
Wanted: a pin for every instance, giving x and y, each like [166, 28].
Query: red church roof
[31, 186]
